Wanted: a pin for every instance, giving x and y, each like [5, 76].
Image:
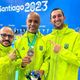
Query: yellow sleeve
[5, 60]
[45, 65]
[72, 56]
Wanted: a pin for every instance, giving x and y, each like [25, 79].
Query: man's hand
[26, 60]
[12, 55]
[41, 72]
[57, 48]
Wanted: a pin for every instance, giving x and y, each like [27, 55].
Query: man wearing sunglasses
[7, 54]
[7, 36]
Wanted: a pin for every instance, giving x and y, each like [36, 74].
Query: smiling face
[6, 36]
[57, 19]
[33, 22]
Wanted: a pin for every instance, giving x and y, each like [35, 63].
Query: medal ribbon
[31, 44]
[16, 74]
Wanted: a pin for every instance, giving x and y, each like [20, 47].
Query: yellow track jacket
[7, 66]
[64, 65]
[39, 58]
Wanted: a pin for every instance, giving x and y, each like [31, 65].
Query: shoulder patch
[66, 45]
[23, 48]
[40, 48]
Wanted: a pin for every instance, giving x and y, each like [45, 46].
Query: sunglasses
[7, 35]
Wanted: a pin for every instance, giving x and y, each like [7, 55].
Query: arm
[72, 56]
[45, 64]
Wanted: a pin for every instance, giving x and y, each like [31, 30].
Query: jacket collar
[32, 35]
[5, 49]
[63, 31]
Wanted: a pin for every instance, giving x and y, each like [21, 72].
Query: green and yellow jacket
[7, 66]
[38, 59]
[65, 64]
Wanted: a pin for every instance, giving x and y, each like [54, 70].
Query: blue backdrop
[13, 13]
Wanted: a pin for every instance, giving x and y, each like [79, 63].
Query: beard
[9, 43]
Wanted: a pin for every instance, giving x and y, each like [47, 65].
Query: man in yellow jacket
[7, 56]
[65, 49]
[32, 50]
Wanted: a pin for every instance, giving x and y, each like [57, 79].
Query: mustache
[7, 41]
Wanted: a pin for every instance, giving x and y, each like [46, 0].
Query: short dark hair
[56, 9]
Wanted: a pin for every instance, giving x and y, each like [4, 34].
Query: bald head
[6, 29]
[33, 22]
[33, 14]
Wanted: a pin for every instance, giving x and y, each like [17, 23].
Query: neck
[32, 32]
[60, 27]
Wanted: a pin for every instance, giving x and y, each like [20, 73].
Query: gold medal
[30, 52]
